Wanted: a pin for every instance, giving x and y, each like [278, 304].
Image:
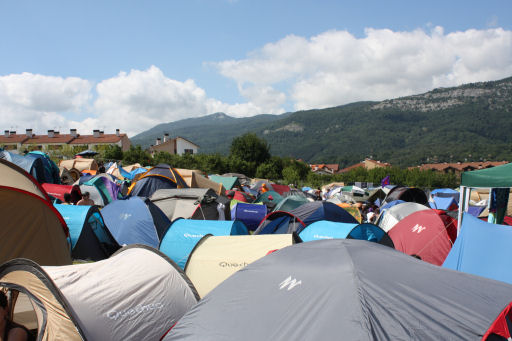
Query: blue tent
[50, 169]
[181, 237]
[90, 238]
[135, 220]
[444, 203]
[31, 164]
[322, 210]
[331, 230]
[482, 249]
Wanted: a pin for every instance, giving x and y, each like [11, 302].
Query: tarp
[134, 295]
[331, 230]
[215, 258]
[90, 238]
[482, 249]
[345, 289]
[499, 176]
[428, 234]
[181, 237]
[135, 220]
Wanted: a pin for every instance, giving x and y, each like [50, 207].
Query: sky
[135, 64]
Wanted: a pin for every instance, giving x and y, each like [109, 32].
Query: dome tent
[159, 177]
[350, 287]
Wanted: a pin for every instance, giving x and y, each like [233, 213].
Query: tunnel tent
[32, 228]
[215, 258]
[135, 220]
[324, 229]
[133, 295]
[183, 234]
[90, 238]
[350, 288]
[16, 177]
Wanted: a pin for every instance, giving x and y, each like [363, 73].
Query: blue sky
[81, 64]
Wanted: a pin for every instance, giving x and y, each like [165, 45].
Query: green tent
[227, 181]
[264, 198]
[495, 177]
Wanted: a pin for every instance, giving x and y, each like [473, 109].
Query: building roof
[460, 166]
[44, 139]
[14, 138]
[104, 138]
[179, 137]
[363, 164]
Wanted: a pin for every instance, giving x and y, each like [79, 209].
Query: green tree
[291, 175]
[112, 152]
[272, 169]
[137, 155]
[250, 148]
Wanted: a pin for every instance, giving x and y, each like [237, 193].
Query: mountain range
[471, 122]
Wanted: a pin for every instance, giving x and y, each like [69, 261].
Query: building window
[189, 151]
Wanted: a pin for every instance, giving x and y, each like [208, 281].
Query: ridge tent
[50, 170]
[428, 234]
[324, 229]
[162, 176]
[14, 176]
[191, 203]
[31, 228]
[389, 218]
[80, 164]
[90, 238]
[133, 295]
[215, 258]
[482, 249]
[135, 220]
[409, 194]
[58, 191]
[182, 235]
[227, 181]
[347, 289]
[30, 163]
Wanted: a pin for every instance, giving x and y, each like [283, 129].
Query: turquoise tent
[227, 181]
[183, 234]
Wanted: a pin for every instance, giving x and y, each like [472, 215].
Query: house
[458, 167]
[325, 168]
[178, 145]
[54, 140]
[367, 164]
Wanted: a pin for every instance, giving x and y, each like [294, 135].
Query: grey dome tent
[133, 295]
[346, 290]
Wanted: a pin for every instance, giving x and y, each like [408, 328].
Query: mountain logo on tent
[290, 283]
[418, 228]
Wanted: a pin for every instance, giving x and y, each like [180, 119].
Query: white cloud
[35, 101]
[335, 67]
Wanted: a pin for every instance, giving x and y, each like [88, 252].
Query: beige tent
[196, 179]
[14, 176]
[215, 258]
[31, 228]
[80, 164]
[136, 294]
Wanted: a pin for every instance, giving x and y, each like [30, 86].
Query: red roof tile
[15, 138]
[43, 139]
[105, 138]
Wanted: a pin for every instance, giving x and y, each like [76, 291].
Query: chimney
[29, 133]
[101, 133]
[55, 133]
[6, 133]
[13, 132]
[73, 133]
[117, 132]
[158, 141]
[166, 137]
[96, 133]
[50, 133]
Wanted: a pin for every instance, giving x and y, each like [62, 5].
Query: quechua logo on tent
[418, 228]
[289, 283]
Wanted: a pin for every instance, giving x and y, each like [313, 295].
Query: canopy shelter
[331, 230]
[135, 220]
[427, 234]
[482, 249]
[31, 228]
[58, 191]
[181, 237]
[133, 295]
[191, 203]
[16, 177]
[351, 290]
[215, 258]
[90, 238]
[159, 177]
[499, 177]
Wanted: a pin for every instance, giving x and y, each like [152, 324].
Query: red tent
[428, 234]
[58, 191]
[281, 189]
